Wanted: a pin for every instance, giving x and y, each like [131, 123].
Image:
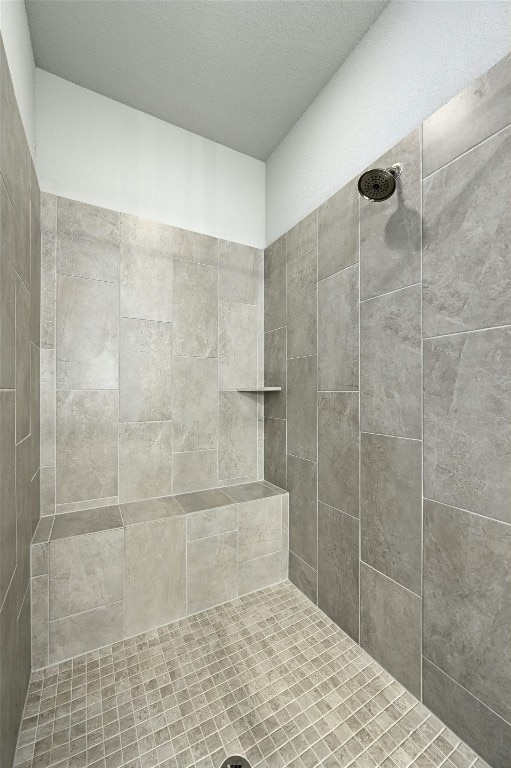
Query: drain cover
[235, 762]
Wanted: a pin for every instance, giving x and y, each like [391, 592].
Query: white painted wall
[96, 150]
[18, 49]
[415, 57]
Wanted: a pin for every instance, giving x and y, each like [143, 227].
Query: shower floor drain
[235, 762]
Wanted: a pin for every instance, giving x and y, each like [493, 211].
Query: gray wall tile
[48, 289]
[145, 460]
[35, 407]
[86, 445]
[338, 231]
[390, 364]
[22, 360]
[39, 560]
[35, 265]
[390, 231]
[467, 271]
[390, 626]
[237, 441]
[237, 345]
[467, 431]
[391, 507]
[155, 574]
[48, 212]
[303, 576]
[301, 481]
[260, 528]
[24, 513]
[302, 237]
[338, 334]
[94, 259]
[7, 491]
[195, 403]
[275, 373]
[47, 418]
[39, 621]
[275, 455]
[87, 334]
[47, 491]
[193, 246]
[261, 572]
[274, 296]
[301, 287]
[210, 522]
[145, 371]
[89, 221]
[240, 272]
[74, 635]
[467, 602]
[10, 692]
[338, 442]
[275, 256]
[302, 407]
[338, 567]
[212, 571]
[194, 470]
[7, 290]
[195, 321]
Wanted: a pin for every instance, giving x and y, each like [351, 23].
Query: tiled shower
[192, 568]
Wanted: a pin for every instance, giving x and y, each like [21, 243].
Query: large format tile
[35, 407]
[261, 572]
[195, 403]
[145, 371]
[241, 269]
[7, 491]
[390, 364]
[302, 237]
[338, 336]
[390, 626]
[10, 699]
[338, 231]
[303, 576]
[467, 269]
[155, 574]
[82, 632]
[47, 418]
[85, 521]
[483, 108]
[195, 320]
[39, 621]
[237, 439]
[260, 528]
[87, 334]
[86, 572]
[467, 425]
[250, 491]
[86, 445]
[201, 500]
[303, 512]
[22, 360]
[302, 407]
[194, 246]
[48, 289]
[212, 571]
[24, 512]
[93, 259]
[194, 470]
[145, 460]
[147, 511]
[47, 475]
[390, 231]
[338, 442]
[275, 453]
[211, 522]
[275, 286]
[88, 221]
[301, 287]
[467, 602]
[338, 567]
[146, 269]
[35, 262]
[7, 290]
[237, 345]
[391, 507]
[275, 373]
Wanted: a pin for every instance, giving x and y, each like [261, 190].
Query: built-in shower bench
[104, 574]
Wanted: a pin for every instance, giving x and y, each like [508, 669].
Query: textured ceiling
[240, 72]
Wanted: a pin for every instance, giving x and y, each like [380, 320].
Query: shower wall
[19, 405]
[388, 327]
[147, 332]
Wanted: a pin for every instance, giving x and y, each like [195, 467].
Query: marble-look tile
[48, 289]
[86, 572]
[193, 246]
[73, 635]
[35, 407]
[261, 572]
[86, 521]
[89, 221]
[481, 728]
[275, 453]
[39, 621]
[260, 528]
[301, 287]
[146, 269]
[390, 626]
[237, 345]
[467, 270]
[480, 110]
[145, 460]
[155, 574]
[86, 445]
[201, 500]
[48, 212]
[35, 501]
[303, 576]
[390, 231]
[7, 491]
[275, 256]
[274, 296]
[7, 290]
[467, 602]
[241, 269]
[467, 429]
[338, 334]
[338, 566]
[43, 530]
[84, 505]
[87, 334]
[195, 319]
[390, 364]
[303, 509]
[211, 522]
[250, 492]
[194, 470]
[302, 407]
[338, 231]
[391, 507]
[35, 263]
[237, 439]
[145, 371]
[11, 701]
[212, 571]
[338, 442]
[275, 373]
[93, 259]
[24, 513]
[195, 403]
[148, 510]
[47, 417]
[22, 360]
[39, 559]
[302, 237]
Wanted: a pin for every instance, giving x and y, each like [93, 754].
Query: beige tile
[211, 522]
[73, 635]
[194, 470]
[260, 528]
[212, 576]
[145, 460]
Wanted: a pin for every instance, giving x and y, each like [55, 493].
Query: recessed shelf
[260, 389]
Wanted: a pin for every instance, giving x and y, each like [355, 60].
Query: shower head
[379, 184]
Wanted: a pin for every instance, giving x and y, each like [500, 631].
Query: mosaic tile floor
[267, 676]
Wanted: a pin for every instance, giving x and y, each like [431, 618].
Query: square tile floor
[267, 676]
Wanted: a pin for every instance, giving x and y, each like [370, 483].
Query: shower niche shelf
[260, 389]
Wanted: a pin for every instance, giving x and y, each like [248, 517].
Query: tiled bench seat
[104, 574]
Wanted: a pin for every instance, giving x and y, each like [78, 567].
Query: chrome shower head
[379, 184]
